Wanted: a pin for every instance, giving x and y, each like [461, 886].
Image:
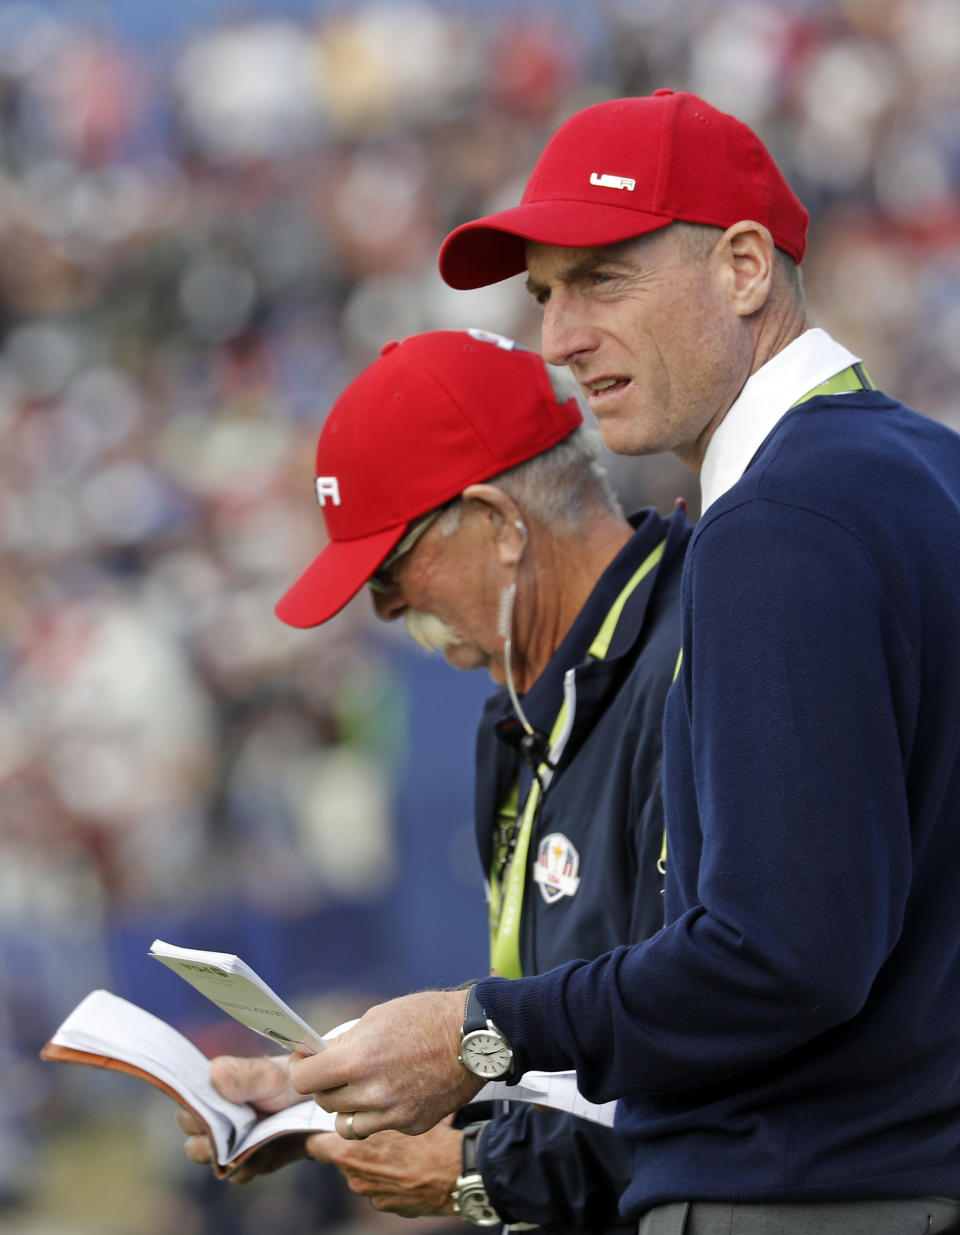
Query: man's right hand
[413, 1176]
[264, 1083]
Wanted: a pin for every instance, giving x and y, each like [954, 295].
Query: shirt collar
[764, 400]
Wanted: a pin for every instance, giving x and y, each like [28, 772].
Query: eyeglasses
[382, 578]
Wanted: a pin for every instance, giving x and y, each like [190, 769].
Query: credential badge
[556, 867]
[328, 487]
[612, 182]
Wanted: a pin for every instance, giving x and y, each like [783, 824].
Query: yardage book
[240, 992]
[105, 1031]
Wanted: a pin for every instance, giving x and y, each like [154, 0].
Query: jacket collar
[542, 701]
[498, 762]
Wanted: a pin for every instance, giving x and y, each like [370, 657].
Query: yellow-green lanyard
[506, 899]
[854, 377]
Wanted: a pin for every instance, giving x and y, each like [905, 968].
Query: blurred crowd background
[211, 217]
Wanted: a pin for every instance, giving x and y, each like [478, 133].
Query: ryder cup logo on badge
[556, 867]
[328, 487]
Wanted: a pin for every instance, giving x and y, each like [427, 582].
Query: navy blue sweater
[794, 1030]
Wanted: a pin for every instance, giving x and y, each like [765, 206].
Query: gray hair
[559, 487]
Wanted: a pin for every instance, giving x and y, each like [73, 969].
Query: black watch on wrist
[484, 1050]
[470, 1198]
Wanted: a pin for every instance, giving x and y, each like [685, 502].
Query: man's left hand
[398, 1067]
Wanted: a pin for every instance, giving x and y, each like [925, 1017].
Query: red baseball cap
[434, 414]
[626, 167]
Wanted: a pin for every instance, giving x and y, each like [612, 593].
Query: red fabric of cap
[627, 167]
[434, 414]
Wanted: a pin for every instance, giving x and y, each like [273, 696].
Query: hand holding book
[262, 1082]
[105, 1031]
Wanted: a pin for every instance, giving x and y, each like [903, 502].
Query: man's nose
[565, 336]
[388, 602]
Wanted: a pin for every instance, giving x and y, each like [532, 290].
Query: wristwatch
[470, 1198]
[484, 1050]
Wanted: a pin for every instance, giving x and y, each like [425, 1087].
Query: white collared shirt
[765, 399]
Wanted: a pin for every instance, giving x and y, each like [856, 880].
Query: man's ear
[505, 519]
[747, 251]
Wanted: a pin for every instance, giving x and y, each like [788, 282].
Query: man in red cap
[457, 483]
[786, 1051]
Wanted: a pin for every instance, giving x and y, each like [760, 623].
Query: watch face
[486, 1054]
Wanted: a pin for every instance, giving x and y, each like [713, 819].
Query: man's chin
[496, 671]
[463, 656]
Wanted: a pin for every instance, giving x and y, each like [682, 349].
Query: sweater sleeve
[789, 856]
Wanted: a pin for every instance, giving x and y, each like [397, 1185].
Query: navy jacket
[793, 1033]
[604, 801]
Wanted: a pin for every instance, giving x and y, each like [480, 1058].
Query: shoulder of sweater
[836, 455]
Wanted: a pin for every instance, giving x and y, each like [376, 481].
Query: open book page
[109, 1032]
[304, 1117]
[235, 988]
[107, 1029]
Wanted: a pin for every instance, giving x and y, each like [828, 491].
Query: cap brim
[334, 577]
[494, 248]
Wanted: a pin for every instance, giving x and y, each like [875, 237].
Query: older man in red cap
[786, 1051]
[456, 482]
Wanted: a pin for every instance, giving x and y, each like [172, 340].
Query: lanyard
[855, 377]
[508, 872]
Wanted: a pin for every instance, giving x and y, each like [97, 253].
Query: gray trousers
[926, 1215]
